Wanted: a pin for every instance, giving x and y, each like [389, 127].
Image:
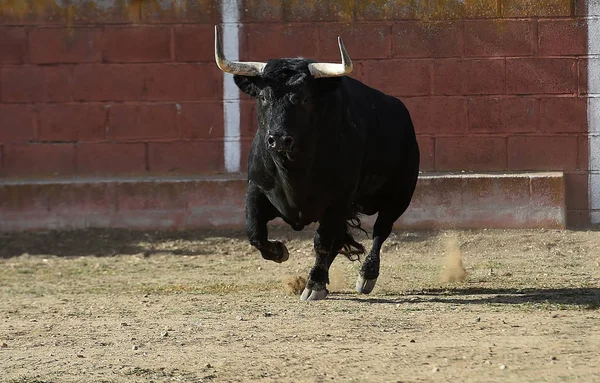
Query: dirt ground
[200, 306]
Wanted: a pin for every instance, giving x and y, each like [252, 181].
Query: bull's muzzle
[280, 143]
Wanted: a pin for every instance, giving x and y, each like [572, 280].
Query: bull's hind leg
[259, 211]
[329, 239]
[369, 271]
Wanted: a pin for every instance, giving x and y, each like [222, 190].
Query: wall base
[519, 200]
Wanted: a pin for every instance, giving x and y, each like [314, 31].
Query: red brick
[541, 75]
[564, 114]
[522, 8]
[109, 82]
[65, 45]
[583, 153]
[427, 39]
[261, 11]
[542, 153]
[190, 157]
[267, 41]
[196, 11]
[182, 82]
[562, 37]
[71, 122]
[142, 121]
[427, 152]
[359, 72]
[111, 158]
[137, 44]
[576, 189]
[323, 10]
[472, 76]
[195, 43]
[389, 9]
[503, 115]
[30, 160]
[363, 41]
[400, 77]
[13, 45]
[438, 114]
[201, 120]
[487, 38]
[583, 75]
[34, 84]
[470, 153]
[17, 123]
[249, 119]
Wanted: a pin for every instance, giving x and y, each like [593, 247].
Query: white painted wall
[230, 30]
[594, 107]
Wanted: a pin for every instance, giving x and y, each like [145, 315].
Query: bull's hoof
[313, 295]
[365, 286]
[278, 253]
[284, 254]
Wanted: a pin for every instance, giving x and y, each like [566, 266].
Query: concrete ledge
[520, 200]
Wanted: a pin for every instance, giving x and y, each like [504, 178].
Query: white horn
[235, 67]
[319, 70]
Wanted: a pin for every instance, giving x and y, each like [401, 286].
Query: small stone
[240, 318]
[134, 347]
[259, 268]
[80, 356]
[553, 358]
[3, 345]
[478, 319]
[164, 334]
[268, 314]
[435, 369]
[502, 367]
[208, 365]
[555, 316]
[33, 320]
[124, 324]
[412, 341]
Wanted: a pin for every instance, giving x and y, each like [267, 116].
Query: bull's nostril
[271, 141]
[288, 142]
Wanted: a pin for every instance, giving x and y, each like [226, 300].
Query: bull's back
[391, 160]
[391, 138]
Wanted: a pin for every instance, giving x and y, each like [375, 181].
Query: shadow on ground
[110, 242]
[589, 297]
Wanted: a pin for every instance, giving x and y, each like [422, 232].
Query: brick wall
[130, 86]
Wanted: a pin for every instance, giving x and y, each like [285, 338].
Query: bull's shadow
[587, 297]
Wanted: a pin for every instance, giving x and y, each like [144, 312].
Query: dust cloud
[453, 270]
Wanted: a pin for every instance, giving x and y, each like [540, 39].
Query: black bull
[328, 149]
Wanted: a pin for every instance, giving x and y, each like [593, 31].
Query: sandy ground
[198, 306]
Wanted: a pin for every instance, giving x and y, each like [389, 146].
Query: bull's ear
[248, 85]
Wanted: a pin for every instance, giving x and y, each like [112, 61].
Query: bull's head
[292, 95]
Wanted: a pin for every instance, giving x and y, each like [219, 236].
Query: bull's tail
[352, 249]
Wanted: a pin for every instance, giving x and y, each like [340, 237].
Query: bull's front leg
[259, 211]
[329, 239]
